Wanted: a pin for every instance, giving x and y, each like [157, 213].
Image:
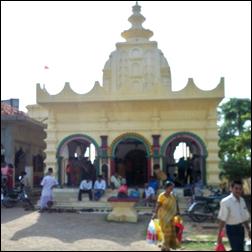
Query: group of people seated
[94, 192]
[148, 197]
[149, 194]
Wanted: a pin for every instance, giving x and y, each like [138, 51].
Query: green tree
[235, 138]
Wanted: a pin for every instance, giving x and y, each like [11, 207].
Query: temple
[133, 120]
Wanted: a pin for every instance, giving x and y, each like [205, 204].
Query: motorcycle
[10, 198]
[203, 208]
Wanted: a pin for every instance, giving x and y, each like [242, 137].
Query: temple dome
[136, 64]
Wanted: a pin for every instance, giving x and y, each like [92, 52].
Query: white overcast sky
[202, 40]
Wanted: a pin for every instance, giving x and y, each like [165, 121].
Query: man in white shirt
[99, 187]
[149, 194]
[234, 214]
[85, 187]
[48, 183]
[25, 183]
[115, 181]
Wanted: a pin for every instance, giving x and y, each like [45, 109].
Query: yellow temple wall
[113, 119]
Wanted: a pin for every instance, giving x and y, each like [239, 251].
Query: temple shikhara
[131, 121]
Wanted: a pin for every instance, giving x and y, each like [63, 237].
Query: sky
[203, 40]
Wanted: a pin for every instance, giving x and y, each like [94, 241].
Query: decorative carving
[136, 53]
[136, 66]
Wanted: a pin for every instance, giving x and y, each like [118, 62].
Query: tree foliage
[235, 138]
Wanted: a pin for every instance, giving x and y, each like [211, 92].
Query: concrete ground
[33, 231]
[23, 230]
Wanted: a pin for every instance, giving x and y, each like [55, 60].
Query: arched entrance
[131, 158]
[77, 159]
[193, 155]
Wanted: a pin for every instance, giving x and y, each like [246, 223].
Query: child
[123, 190]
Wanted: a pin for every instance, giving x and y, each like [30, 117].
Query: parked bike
[10, 198]
[203, 208]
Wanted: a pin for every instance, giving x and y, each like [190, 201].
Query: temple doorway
[131, 161]
[184, 159]
[77, 158]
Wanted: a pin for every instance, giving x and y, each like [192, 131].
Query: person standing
[68, 173]
[4, 178]
[25, 183]
[165, 210]
[182, 165]
[7, 171]
[4, 171]
[189, 171]
[48, 183]
[234, 214]
[159, 174]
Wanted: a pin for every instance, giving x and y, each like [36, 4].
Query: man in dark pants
[86, 187]
[234, 214]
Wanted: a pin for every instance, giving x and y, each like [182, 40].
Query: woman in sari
[165, 210]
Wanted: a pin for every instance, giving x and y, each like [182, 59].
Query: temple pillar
[59, 161]
[104, 160]
[155, 151]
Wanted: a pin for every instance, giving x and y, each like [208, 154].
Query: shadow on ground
[71, 227]
[5, 217]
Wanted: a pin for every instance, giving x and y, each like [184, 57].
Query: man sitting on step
[115, 181]
[86, 187]
[99, 188]
[149, 195]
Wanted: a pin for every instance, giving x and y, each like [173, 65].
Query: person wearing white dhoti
[48, 183]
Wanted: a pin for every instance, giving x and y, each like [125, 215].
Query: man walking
[48, 183]
[234, 214]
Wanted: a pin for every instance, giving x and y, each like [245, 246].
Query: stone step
[96, 207]
[73, 192]
[99, 207]
[67, 197]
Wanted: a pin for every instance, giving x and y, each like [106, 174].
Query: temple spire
[136, 8]
[137, 31]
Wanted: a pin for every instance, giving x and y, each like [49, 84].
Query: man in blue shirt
[153, 183]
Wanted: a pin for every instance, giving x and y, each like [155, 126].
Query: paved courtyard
[24, 230]
[32, 231]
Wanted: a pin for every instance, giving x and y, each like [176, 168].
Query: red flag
[46, 67]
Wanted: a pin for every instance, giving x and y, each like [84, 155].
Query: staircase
[67, 199]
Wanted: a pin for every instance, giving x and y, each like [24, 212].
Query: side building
[22, 143]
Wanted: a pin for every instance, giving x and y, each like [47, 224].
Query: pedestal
[122, 210]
